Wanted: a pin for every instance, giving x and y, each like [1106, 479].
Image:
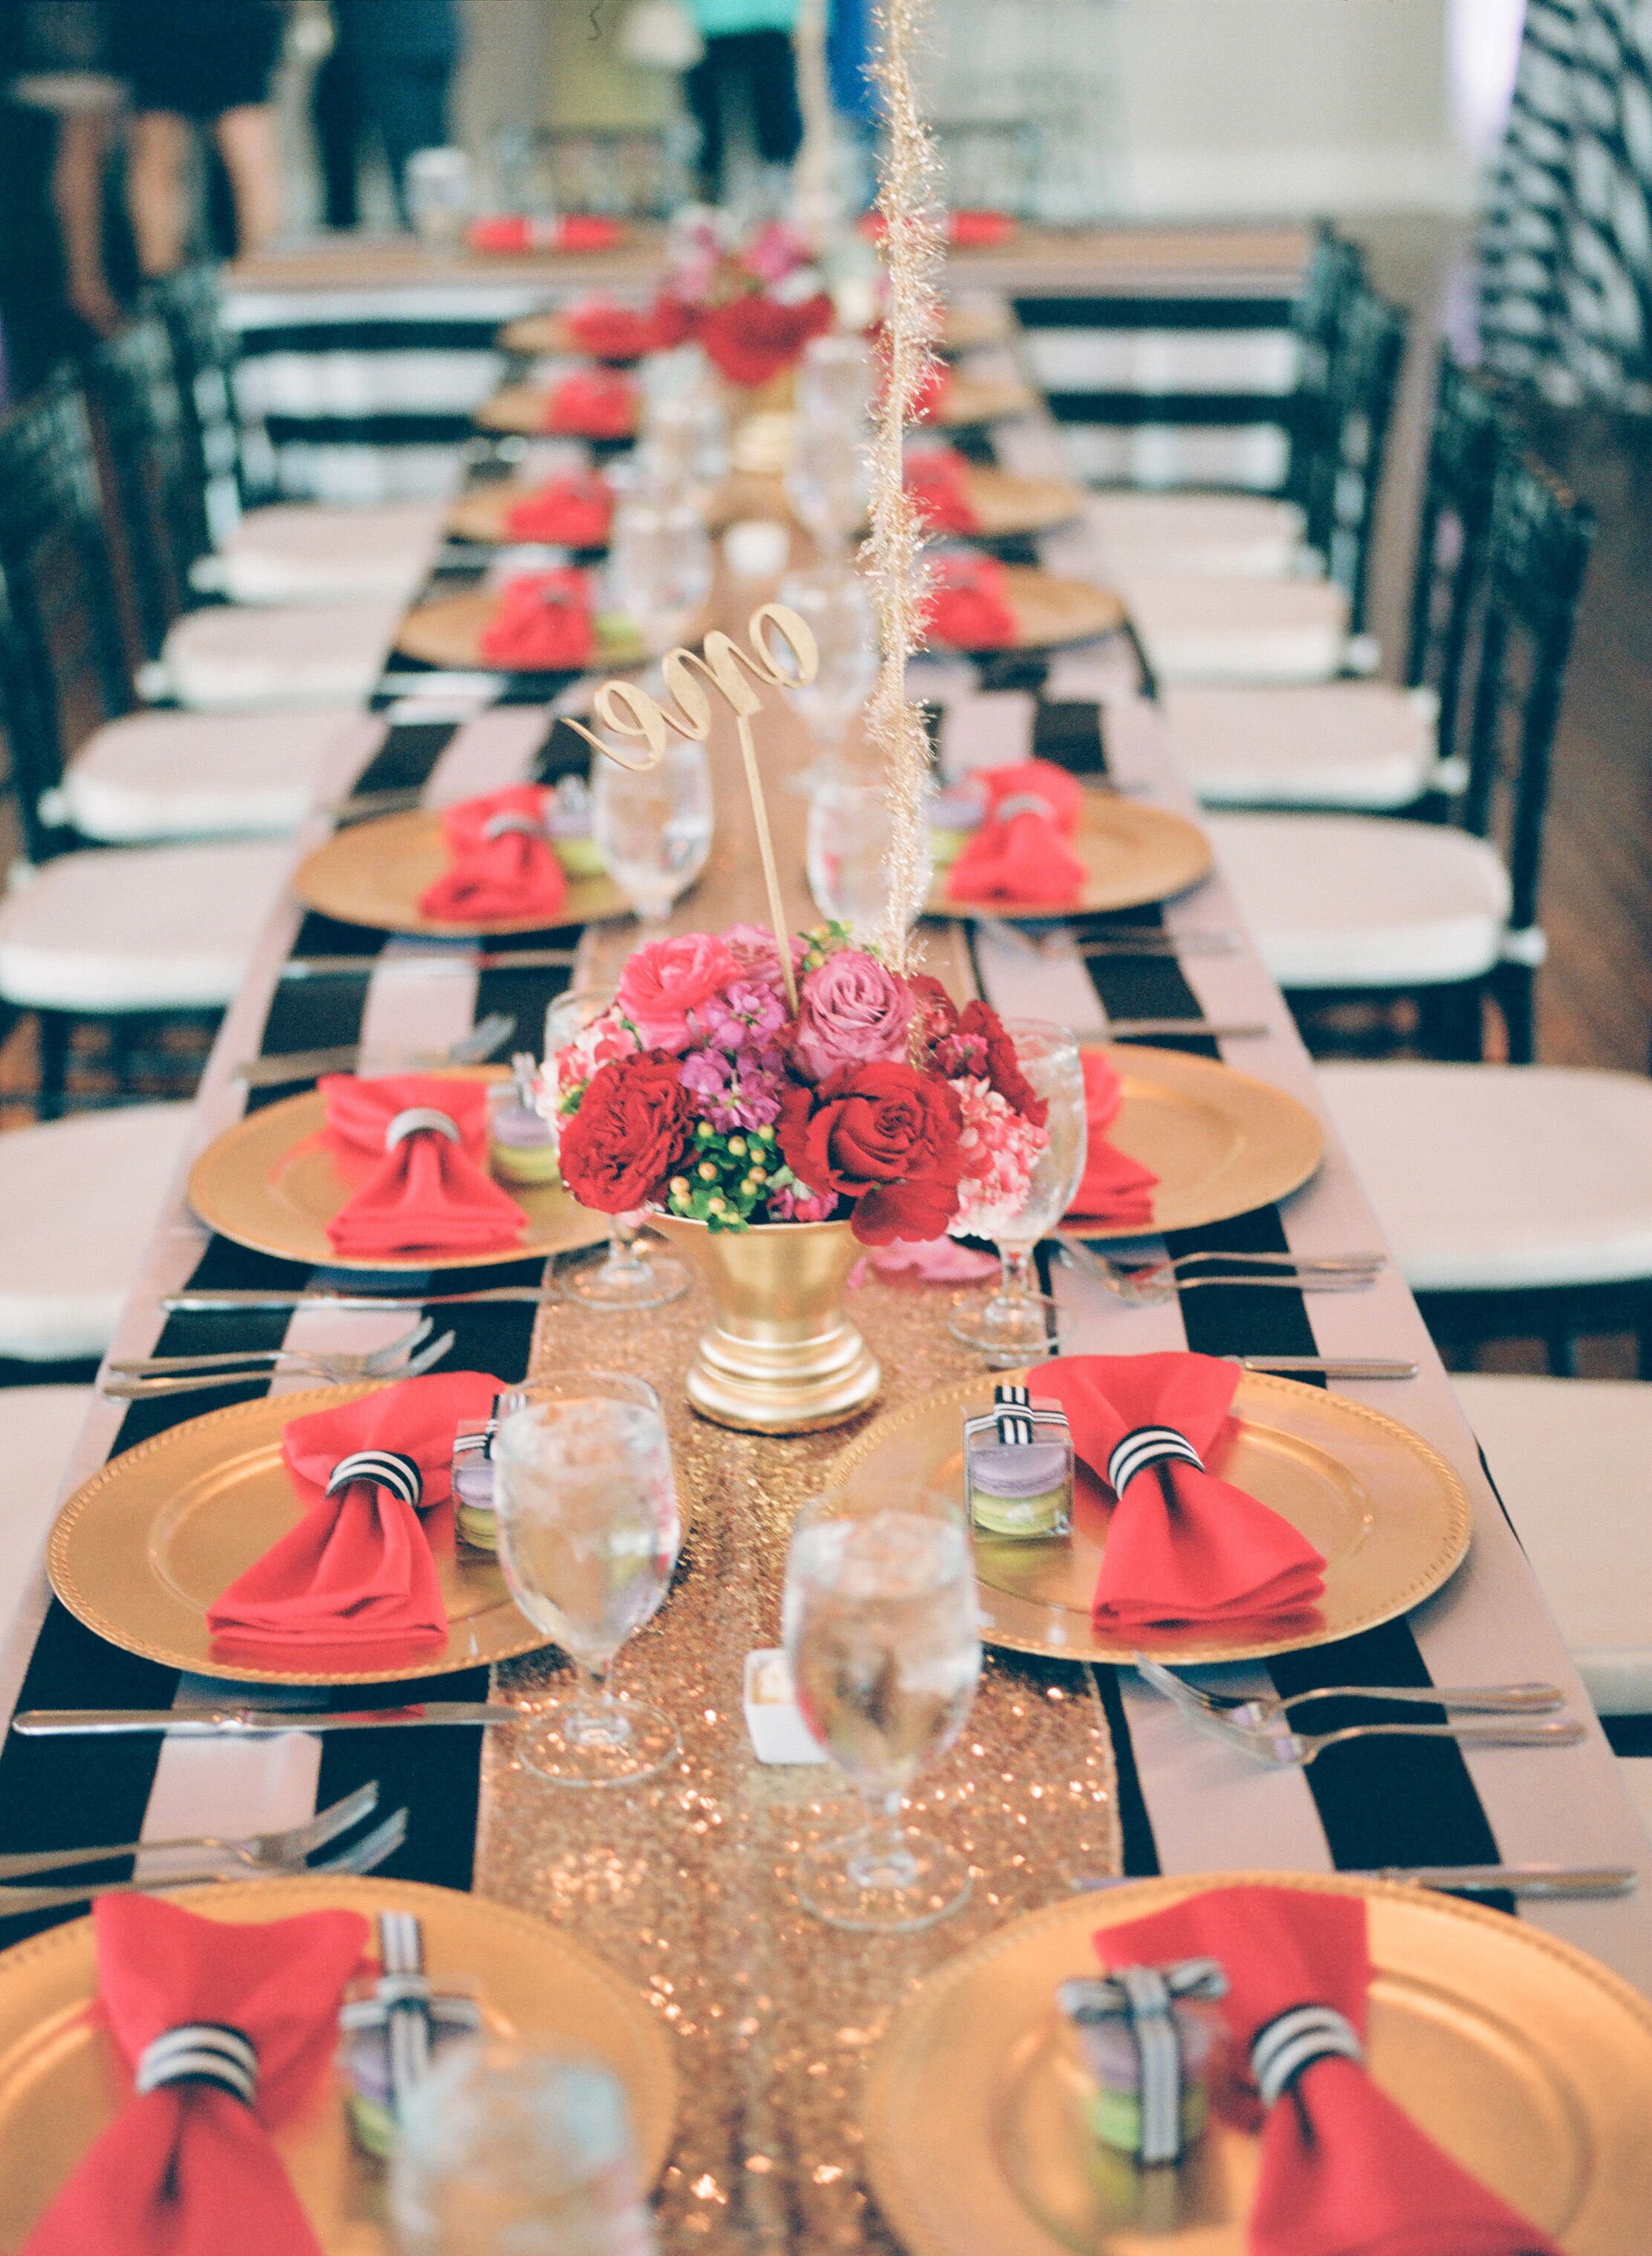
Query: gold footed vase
[780, 1357]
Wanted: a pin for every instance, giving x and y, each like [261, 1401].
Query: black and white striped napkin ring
[1145, 1446]
[512, 822]
[472, 1444]
[1023, 802]
[1293, 2041]
[386, 1469]
[1145, 1995]
[416, 1120]
[201, 2052]
[1017, 1422]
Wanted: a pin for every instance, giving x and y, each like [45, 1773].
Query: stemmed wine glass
[883, 1639]
[653, 826]
[1014, 1325]
[659, 568]
[632, 1274]
[834, 601]
[848, 854]
[585, 1503]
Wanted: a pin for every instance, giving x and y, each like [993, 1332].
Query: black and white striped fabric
[1566, 246]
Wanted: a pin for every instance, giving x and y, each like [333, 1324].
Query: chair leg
[1563, 1354]
[1516, 998]
[54, 1031]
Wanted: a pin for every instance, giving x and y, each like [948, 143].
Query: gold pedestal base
[781, 1356]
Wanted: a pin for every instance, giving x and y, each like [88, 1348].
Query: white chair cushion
[1200, 627]
[38, 1428]
[78, 1202]
[1250, 535]
[1323, 744]
[305, 553]
[181, 775]
[1498, 1177]
[228, 661]
[1363, 900]
[138, 927]
[1572, 1461]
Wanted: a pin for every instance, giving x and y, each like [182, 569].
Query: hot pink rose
[851, 1010]
[664, 982]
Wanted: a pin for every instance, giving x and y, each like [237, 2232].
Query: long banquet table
[1067, 1773]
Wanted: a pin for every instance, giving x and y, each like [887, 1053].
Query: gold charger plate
[480, 514]
[447, 631]
[269, 1182]
[520, 408]
[1220, 1142]
[60, 2084]
[1051, 611]
[971, 399]
[142, 1549]
[1133, 854]
[374, 873]
[549, 333]
[1389, 1517]
[1531, 2064]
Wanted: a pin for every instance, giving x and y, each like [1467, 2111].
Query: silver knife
[527, 959]
[239, 1297]
[1208, 1029]
[1328, 1366]
[1577, 1881]
[253, 1722]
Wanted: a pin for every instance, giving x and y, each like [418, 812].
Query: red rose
[753, 338]
[1004, 1067]
[632, 1127]
[883, 1135]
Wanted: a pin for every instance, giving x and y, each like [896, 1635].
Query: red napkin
[965, 604]
[593, 403]
[1115, 1190]
[513, 231]
[611, 332]
[428, 1193]
[976, 230]
[935, 480]
[1185, 1545]
[574, 512]
[1344, 2169]
[358, 1568]
[753, 338]
[1020, 854]
[189, 2169]
[498, 870]
[542, 625]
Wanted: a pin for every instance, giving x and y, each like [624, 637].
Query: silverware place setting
[1144, 1284]
[482, 1040]
[148, 1376]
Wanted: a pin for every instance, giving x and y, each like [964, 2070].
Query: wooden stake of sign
[627, 710]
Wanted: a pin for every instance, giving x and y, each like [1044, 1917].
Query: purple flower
[793, 1203]
[707, 1073]
[745, 1013]
[851, 1011]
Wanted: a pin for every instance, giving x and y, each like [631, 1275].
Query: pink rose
[851, 1010]
[753, 946]
[662, 984]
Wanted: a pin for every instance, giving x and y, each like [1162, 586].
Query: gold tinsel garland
[911, 247]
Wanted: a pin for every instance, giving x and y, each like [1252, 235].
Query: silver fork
[355, 1362]
[1147, 1284]
[1287, 1750]
[1263, 1710]
[471, 1048]
[147, 1390]
[283, 1847]
[363, 1856]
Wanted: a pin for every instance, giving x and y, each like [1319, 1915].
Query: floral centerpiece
[752, 307]
[881, 1104]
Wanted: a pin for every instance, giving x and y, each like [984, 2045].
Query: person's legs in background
[157, 155]
[246, 138]
[84, 138]
[703, 89]
[772, 76]
[336, 114]
[407, 100]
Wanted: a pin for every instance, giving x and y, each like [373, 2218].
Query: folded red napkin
[358, 1568]
[593, 403]
[935, 480]
[422, 1182]
[186, 2167]
[574, 512]
[610, 332]
[513, 231]
[967, 604]
[503, 864]
[1344, 2169]
[976, 230]
[753, 338]
[1116, 1189]
[1020, 854]
[542, 623]
[1185, 1545]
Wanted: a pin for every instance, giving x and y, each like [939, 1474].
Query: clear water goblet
[585, 1504]
[659, 569]
[883, 1639]
[653, 826]
[836, 602]
[849, 870]
[633, 1274]
[1014, 1324]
